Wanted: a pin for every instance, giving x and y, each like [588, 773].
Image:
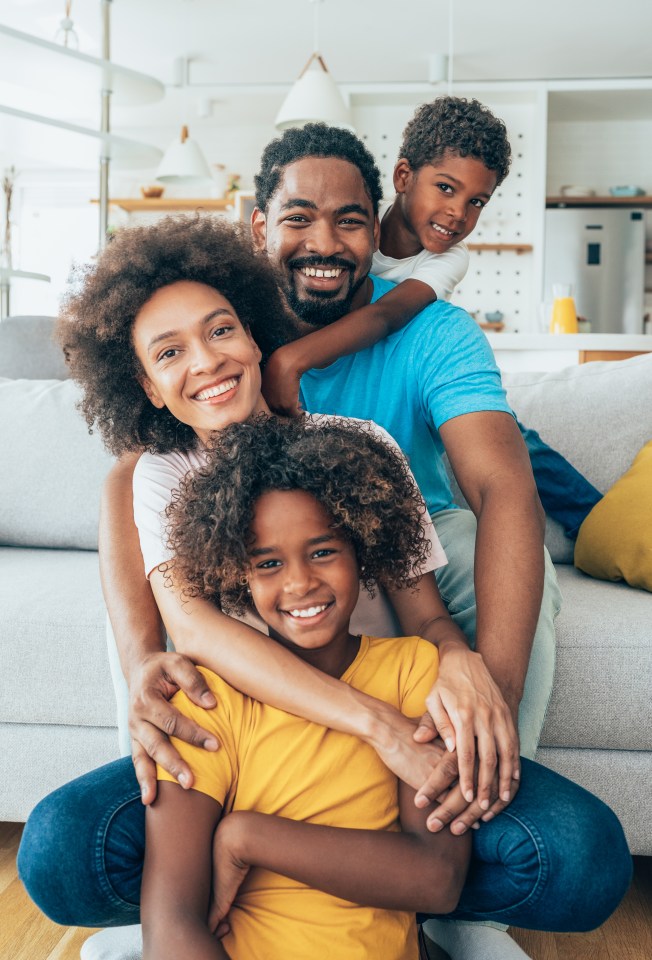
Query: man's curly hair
[464, 127]
[363, 483]
[97, 316]
[314, 140]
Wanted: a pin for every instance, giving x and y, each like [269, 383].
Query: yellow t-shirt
[275, 763]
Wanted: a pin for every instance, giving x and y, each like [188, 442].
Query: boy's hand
[152, 719]
[453, 809]
[229, 869]
[467, 706]
[280, 386]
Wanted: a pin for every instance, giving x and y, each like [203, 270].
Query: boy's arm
[152, 675]
[357, 330]
[176, 886]
[412, 870]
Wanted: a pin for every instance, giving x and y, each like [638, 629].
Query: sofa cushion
[601, 697]
[28, 351]
[596, 414]
[53, 470]
[615, 540]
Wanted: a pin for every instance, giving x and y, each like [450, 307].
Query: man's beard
[320, 307]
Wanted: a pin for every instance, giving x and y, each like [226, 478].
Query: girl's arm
[176, 889]
[266, 671]
[357, 330]
[412, 870]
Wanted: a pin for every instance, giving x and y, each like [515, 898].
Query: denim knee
[80, 857]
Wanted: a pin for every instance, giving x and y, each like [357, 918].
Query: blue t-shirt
[437, 367]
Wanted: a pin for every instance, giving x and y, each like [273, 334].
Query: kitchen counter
[545, 351]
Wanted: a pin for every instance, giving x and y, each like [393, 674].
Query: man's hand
[152, 720]
[455, 810]
[466, 706]
[280, 386]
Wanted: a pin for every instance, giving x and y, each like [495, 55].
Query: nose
[299, 578]
[323, 238]
[205, 357]
[457, 208]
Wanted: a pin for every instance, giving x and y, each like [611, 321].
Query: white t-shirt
[441, 271]
[158, 475]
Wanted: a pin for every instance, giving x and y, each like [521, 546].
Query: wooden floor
[25, 934]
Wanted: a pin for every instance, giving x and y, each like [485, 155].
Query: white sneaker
[114, 943]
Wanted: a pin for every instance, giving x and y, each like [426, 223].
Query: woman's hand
[280, 386]
[466, 706]
[229, 869]
[153, 720]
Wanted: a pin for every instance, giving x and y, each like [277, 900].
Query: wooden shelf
[162, 204]
[643, 201]
[500, 247]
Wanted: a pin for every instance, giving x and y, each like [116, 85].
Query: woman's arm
[266, 671]
[176, 887]
[357, 330]
[412, 870]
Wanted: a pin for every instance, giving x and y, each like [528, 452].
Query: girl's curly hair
[362, 482]
[97, 316]
[466, 128]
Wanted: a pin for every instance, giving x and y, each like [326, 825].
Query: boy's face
[441, 202]
[198, 359]
[321, 230]
[303, 578]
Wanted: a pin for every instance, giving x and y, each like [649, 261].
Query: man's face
[321, 231]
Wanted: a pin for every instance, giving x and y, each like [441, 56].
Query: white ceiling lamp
[183, 162]
[315, 97]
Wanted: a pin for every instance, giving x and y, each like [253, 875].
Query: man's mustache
[299, 262]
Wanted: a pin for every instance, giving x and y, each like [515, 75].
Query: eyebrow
[310, 205]
[173, 333]
[262, 551]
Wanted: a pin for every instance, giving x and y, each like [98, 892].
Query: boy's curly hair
[314, 140]
[362, 482]
[97, 316]
[464, 127]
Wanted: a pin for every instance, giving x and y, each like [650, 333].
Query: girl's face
[198, 359]
[304, 579]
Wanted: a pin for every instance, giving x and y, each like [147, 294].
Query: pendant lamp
[315, 97]
[183, 162]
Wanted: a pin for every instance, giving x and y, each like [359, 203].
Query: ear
[403, 175]
[152, 394]
[259, 228]
[257, 350]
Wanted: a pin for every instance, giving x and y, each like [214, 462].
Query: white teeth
[216, 391]
[325, 274]
[309, 612]
[447, 233]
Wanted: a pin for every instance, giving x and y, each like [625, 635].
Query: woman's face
[198, 359]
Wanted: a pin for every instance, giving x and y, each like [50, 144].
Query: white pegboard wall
[496, 280]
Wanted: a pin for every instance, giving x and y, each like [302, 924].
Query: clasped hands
[436, 755]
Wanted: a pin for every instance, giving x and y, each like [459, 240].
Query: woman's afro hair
[98, 314]
[361, 481]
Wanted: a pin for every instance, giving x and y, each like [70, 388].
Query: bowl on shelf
[494, 316]
[627, 191]
[152, 193]
[572, 190]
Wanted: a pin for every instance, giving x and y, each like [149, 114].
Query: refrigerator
[601, 252]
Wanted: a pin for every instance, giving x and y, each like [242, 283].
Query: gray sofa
[56, 696]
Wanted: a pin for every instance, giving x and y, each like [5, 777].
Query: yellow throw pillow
[615, 540]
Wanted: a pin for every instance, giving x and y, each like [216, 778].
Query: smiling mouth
[216, 391]
[326, 274]
[447, 234]
[307, 613]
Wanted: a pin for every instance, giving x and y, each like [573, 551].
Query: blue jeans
[565, 494]
[556, 859]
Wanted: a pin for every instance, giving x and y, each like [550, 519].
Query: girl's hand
[280, 386]
[229, 870]
[467, 706]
